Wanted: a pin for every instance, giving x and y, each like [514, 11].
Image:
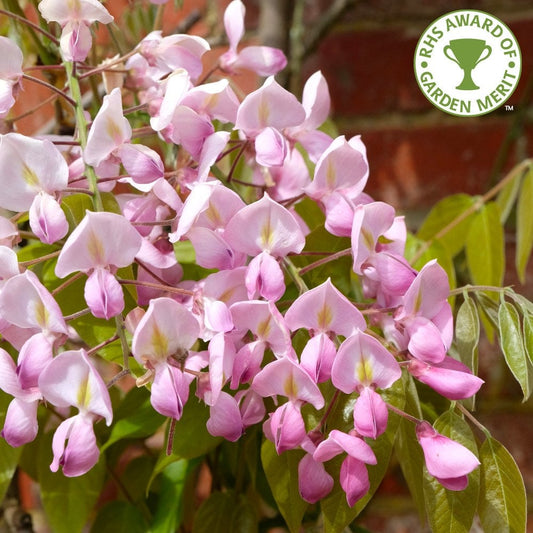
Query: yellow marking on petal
[227, 294]
[331, 175]
[113, 130]
[364, 371]
[418, 301]
[263, 112]
[263, 328]
[29, 176]
[41, 314]
[84, 393]
[267, 235]
[368, 238]
[214, 216]
[95, 247]
[289, 387]
[324, 317]
[159, 343]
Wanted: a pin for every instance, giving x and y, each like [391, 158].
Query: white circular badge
[467, 63]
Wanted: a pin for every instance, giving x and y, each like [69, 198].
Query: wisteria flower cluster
[246, 331]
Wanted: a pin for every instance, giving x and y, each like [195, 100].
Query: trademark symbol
[509, 108]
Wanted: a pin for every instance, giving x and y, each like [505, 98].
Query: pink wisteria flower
[38, 173]
[70, 379]
[263, 60]
[10, 73]
[109, 143]
[446, 460]
[75, 17]
[161, 344]
[102, 243]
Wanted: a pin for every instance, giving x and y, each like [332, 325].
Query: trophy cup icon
[467, 53]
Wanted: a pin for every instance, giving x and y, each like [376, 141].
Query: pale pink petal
[362, 360]
[212, 250]
[34, 355]
[270, 105]
[318, 356]
[325, 309]
[9, 265]
[265, 278]
[270, 148]
[9, 235]
[101, 239]
[9, 382]
[425, 341]
[80, 451]
[316, 100]
[177, 85]
[252, 407]
[26, 303]
[167, 328]
[109, 130]
[445, 458]
[20, 425]
[11, 59]
[47, 219]
[189, 129]
[370, 414]
[444, 322]
[269, 227]
[143, 164]
[428, 291]
[218, 316]
[217, 100]
[247, 363]
[338, 442]
[314, 483]
[354, 479]
[341, 168]
[285, 427]
[170, 390]
[450, 378]
[103, 294]
[263, 60]
[285, 378]
[213, 146]
[34, 166]
[234, 22]
[225, 418]
[76, 41]
[315, 143]
[71, 379]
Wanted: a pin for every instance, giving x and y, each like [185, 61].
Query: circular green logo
[467, 63]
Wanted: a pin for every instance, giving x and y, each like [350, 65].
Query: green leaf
[135, 418]
[337, 513]
[513, 348]
[502, 503]
[191, 438]
[467, 331]
[282, 474]
[507, 197]
[74, 207]
[443, 214]
[452, 511]
[223, 512]
[524, 225]
[68, 501]
[311, 213]
[528, 335]
[119, 517]
[408, 451]
[169, 504]
[8, 456]
[485, 247]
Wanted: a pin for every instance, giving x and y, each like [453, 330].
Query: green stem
[82, 133]
[403, 413]
[473, 419]
[476, 288]
[295, 275]
[121, 334]
[478, 204]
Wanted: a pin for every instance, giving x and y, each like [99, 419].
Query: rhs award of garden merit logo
[467, 63]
